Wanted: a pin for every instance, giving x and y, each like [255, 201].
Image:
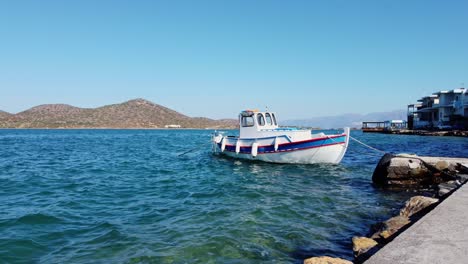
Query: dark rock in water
[326, 260]
[393, 170]
[411, 171]
[416, 204]
[388, 228]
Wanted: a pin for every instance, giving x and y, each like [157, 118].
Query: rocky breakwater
[438, 177]
[451, 133]
[435, 177]
[406, 171]
[384, 232]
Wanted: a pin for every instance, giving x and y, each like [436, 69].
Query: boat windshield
[260, 120]
[274, 119]
[247, 121]
[268, 119]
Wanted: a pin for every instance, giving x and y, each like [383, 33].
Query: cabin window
[260, 120]
[247, 121]
[274, 119]
[268, 119]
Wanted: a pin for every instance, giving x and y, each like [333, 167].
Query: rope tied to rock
[365, 145]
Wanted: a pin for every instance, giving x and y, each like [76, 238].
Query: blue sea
[160, 196]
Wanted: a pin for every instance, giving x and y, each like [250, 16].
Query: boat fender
[254, 149]
[276, 143]
[223, 144]
[237, 146]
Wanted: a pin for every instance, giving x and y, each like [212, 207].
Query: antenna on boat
[266, 107]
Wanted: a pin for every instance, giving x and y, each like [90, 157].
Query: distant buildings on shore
[383, 126]
[441, 110]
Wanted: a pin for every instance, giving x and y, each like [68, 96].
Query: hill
[346, 120]
[137, 113]
[4, 114]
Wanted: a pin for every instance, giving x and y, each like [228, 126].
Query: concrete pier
[441, 236]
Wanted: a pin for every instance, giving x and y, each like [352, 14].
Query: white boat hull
[321, 149]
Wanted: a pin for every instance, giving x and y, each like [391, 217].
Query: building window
[260, 120]
[268, 119]
[247, 121]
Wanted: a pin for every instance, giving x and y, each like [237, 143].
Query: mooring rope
[365, 145]
[188, 151]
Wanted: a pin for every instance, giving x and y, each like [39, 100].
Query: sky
[214, 58]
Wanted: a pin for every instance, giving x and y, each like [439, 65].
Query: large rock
[413, 171]
[391, 226]
[415, 204]
[326, 260]
[362, 245]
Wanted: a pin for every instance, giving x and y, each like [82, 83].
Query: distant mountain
[4, 114]
[346, 120]
[137, 113]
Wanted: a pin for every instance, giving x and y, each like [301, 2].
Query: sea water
[160, 196]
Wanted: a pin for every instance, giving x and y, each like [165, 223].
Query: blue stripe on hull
[314, 143]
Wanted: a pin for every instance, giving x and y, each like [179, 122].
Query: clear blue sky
[214, 58]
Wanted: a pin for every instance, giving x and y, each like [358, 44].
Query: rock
[326, 260]
[462, 178]
[396, 171]
[415, 204]
[405, 170]
[462, 167]
[442, 165]
[391, 226]
[446, 187]
[362, 245]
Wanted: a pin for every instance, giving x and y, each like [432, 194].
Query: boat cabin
[255, 124]
[253, 121]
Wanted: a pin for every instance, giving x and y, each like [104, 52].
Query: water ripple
[126, 196]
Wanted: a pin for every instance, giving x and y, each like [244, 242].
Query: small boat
[260, 138]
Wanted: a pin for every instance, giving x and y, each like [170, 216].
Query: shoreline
[108, 128]
[438, 133]
[390, 240]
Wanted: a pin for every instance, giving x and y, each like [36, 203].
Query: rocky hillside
[138, 113]
[4, 114]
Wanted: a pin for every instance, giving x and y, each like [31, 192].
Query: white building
[172, 126]
[442, 110]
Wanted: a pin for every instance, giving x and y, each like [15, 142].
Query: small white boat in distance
[260, 138]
